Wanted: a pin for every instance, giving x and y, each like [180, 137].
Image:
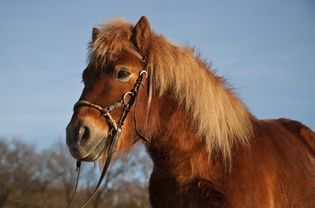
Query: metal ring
[143, 72]
[125, 95]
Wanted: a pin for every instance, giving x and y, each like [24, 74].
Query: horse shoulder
[306, 135]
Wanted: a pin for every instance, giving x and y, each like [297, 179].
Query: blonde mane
[219, 117]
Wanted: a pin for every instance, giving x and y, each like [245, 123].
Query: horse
[207, 148]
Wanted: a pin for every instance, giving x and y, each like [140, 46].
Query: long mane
[218, 116]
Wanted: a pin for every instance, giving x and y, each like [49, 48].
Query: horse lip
[88, 155]
[95, 153]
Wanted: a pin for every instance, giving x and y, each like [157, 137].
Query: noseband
[126, 102]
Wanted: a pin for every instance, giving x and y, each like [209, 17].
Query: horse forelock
[219, 117]
[113, 38]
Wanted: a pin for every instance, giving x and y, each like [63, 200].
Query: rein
[126, 102]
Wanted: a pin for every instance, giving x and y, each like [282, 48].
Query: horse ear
[142, 35]
[95, 32]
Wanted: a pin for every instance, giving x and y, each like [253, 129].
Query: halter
[126, 102]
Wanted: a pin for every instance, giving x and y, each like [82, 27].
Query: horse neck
[176, 150]
[194, 118]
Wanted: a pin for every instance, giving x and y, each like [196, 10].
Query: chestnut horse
[208, 150]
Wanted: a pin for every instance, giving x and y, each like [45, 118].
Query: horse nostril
[83, 135]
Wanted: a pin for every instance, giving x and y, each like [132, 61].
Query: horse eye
[123, 74]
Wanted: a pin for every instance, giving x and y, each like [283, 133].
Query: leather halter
[115, 128]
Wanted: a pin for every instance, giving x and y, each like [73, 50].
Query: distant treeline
[46, 178]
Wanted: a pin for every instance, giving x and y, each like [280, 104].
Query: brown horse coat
[275, 170]
[208, 149]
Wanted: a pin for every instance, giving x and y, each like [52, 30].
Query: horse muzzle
[84, 141]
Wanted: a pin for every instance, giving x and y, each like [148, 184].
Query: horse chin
[96, 153]
[91, 155]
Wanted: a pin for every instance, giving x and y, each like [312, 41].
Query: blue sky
[265, 49]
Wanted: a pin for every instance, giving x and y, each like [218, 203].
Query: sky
[265, 49]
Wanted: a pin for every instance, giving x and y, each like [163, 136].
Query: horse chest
[166, 192]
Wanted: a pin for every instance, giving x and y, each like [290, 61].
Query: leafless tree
[59, 167]
[127, 176]
[18, 173]
[31, 178]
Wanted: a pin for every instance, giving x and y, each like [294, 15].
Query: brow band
[138, 55]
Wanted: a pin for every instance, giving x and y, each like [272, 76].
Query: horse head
[113, 97]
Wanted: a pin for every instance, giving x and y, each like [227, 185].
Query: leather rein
[126, 102]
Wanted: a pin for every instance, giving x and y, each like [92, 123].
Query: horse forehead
[111, 60]
[128, 59]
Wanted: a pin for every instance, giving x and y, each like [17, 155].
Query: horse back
[278, 168]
